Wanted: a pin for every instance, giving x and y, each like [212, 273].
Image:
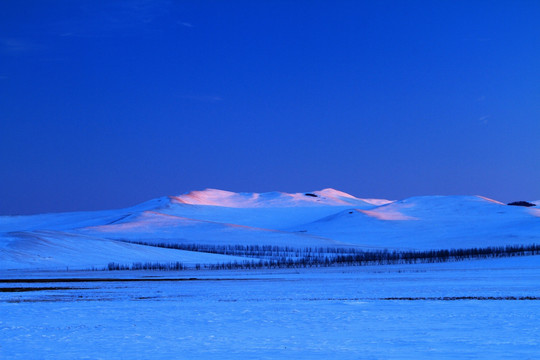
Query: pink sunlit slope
[328, 197]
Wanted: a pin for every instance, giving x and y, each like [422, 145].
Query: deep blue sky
[104, 104]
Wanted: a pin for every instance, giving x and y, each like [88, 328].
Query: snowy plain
[472, 309]
[53, 307]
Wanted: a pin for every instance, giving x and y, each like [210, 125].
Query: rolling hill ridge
[215, 217]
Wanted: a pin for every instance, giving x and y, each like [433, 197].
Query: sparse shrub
[522, 203]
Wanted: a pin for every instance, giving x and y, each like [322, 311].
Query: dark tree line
[147, 266]
[272, 257]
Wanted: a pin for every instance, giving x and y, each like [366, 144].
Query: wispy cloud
[116, 18]
[202, 98]
[478, 39]
[186, 24]
[484, 119]
[16, 46]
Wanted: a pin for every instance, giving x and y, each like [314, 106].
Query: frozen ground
[473, 309]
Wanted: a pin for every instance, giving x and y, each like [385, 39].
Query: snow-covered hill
[222, 198]
[320, 218]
